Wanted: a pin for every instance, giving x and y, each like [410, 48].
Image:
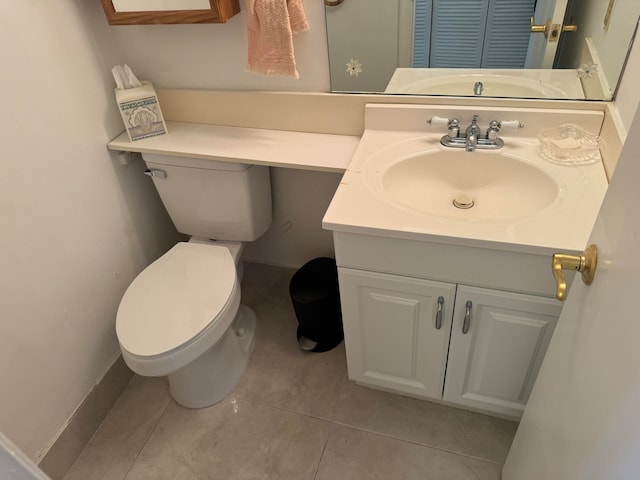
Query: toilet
[181, 317]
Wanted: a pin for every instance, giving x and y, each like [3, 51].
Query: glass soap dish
[569, 145]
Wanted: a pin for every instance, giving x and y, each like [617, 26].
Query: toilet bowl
[181, 317]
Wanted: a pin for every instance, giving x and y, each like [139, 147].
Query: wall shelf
[275, 148]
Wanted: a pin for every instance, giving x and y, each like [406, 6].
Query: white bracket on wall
[125, 158]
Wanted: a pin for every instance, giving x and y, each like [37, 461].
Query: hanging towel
[271, 25]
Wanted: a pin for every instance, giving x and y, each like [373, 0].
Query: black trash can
[316, 301]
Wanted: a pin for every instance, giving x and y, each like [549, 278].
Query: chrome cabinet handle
[155, 172]
[439, 313]
[467, 317]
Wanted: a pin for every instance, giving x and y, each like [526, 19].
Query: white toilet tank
[213, 199]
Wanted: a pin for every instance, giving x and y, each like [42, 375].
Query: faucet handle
[453, 125]
[453, 128]
[493, 130]
[436, 121]
[511, 124]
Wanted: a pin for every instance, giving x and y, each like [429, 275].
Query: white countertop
[276, 148]
[360, 206]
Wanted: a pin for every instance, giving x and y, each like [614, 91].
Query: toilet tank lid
[175, 298]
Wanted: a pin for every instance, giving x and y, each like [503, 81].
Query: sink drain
[463, 201]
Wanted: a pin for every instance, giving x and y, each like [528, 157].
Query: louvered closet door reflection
[507, 35]
[457, 33]
[472, 33]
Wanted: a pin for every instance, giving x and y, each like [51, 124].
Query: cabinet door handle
[439, 313]
[467, 317]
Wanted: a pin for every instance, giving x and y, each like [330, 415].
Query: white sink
[480, 185]
[402, 183]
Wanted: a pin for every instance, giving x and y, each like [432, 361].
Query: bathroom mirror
[138, 12]
[552, 49]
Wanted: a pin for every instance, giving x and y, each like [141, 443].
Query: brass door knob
[552, 31]
[585, 264]
[540, 28]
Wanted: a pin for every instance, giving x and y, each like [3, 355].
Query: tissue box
[141, 112]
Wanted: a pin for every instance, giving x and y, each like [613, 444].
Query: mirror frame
[219, 12]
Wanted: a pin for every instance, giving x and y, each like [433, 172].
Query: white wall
[300, 200]
[76, 226]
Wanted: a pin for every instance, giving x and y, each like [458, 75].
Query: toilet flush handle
[155, 172]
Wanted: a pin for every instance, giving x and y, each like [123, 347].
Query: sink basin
[402, 183]
[461, 185]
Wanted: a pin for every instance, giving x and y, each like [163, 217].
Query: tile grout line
[324, 447]
[299, 414]
[332, 421]
[151, 432]
[332, 425]
[414, 442]
[471, 470]
[95, 432]
[282, 409]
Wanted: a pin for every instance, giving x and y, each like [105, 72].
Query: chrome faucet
[478, 87]
[472, 133]
[473, 137]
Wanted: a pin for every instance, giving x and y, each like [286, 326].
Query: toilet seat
[177, 308]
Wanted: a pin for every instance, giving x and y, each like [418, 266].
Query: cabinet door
[493, 366]
[390, 330]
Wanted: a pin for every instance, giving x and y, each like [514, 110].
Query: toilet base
[214, 374]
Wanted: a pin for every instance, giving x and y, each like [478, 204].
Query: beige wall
[76, 226]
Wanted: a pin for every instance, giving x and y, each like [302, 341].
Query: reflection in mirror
[560, 49]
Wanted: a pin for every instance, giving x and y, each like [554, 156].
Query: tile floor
[295, 415]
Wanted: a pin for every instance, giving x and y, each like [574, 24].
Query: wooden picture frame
[219, 12]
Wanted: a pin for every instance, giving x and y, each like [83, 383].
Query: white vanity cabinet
[396, 330]
[498, 341]
[490, 343]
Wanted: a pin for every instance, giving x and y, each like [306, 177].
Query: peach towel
[271, 25]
